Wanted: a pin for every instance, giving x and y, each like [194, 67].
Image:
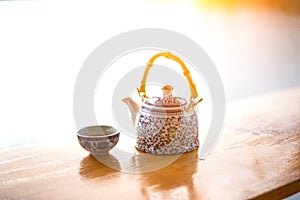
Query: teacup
[98, 140]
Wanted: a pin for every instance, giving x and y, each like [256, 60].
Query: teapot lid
[168, 100]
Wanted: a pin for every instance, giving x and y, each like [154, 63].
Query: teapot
[165, 125]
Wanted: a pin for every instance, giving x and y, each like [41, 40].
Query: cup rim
[116, 131]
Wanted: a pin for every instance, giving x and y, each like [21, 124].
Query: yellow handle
[186, 73]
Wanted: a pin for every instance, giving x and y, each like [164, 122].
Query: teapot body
[166, 130]
[165, 125]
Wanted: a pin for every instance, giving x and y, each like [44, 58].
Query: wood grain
[258, 157]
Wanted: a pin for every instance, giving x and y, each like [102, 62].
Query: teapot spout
[133, 108]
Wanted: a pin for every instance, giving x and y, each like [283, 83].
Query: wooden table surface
[257, 157]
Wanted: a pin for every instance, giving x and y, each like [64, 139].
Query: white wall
[44, 43]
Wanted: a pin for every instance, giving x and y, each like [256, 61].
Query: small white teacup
[98, 140]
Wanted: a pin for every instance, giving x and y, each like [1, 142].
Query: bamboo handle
[186, 73]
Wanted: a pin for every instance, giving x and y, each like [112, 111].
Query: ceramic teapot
[165, 125]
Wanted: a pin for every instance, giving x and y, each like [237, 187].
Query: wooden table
[257, 157]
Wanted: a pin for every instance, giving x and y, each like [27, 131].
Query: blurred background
[254, 44]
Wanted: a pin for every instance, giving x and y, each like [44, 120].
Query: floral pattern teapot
[165, 125]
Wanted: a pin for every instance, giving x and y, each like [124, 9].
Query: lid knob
[167, 89]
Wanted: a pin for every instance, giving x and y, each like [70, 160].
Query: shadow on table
[91, 168]
[176, 179]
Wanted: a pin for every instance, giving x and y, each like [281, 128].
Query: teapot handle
[186, 73]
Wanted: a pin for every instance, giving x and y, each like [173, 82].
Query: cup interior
[100, 130]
